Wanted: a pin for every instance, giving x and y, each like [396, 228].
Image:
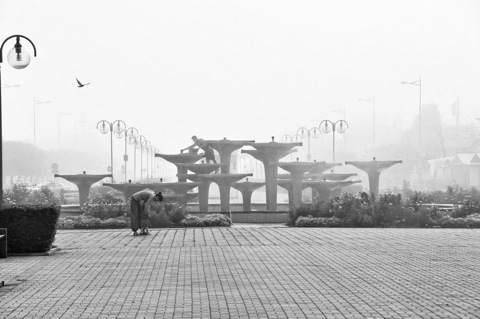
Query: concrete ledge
[51, 252]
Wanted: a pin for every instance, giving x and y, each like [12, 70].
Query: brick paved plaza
[249, 272]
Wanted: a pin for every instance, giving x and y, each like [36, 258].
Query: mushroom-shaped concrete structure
[225, 148]
[288, 185]
[224, 182]
[199, 168]
[297, 169]
[373, 169]
[270, 153]
[129, 189]
[180, 188]
[247, 188]
[84, 182]
[324, 188]
[203, 188]
[329, 176]
[324, 167]
[181, 158]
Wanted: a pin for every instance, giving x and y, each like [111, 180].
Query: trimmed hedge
[31, 228]
[88, 222]
[212, 220]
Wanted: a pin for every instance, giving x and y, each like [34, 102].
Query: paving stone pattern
[249, 272]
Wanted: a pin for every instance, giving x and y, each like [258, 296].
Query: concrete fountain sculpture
[225, 148]
[182, 158]
[373, 169]
[247, 188]
[270, 153]
[297, 169]
[84, 182]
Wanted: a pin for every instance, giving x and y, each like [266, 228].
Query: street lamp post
[117, 126]
[128, 133]
[329, 126]
[139, 141]
[147, 145]
[372, 101]
[35, 103]
[419, 84]
[305, 132]
[18, 59]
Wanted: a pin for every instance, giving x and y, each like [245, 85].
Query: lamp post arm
[17, 36]
[420, 111]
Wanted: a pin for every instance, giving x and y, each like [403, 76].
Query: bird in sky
[80, 84]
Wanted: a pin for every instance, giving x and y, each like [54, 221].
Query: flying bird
[80, 84]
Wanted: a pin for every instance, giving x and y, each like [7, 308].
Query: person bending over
[140, 210]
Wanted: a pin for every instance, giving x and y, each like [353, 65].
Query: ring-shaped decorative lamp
[342, 127]
[103, 127]
[326, 127]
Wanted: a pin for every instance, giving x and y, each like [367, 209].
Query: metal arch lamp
[18, 59]
[329, 126]
[117, 126]
[305, 132]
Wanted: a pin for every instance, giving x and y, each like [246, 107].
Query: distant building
[463, 170]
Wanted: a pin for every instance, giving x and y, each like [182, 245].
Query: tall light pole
[35, 103]
[419, 84]
[132, 140]
[128, 133]
[372, 101]
[139, 141]
[328, 126]
[116, 126]
[18, 59]
[305, 132]
[147, 145]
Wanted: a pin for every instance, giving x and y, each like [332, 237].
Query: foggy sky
[235, 69]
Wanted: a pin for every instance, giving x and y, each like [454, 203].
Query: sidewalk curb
[47, 253]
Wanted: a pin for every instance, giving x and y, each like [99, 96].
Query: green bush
[105, 206]
[319, 222]
[160, 220]
[212, 220]
[88, 222]
[449, 222]
[23, 194]
[394, 210]
[165, 214]
[31, 228]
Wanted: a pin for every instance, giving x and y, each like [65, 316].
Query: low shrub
[165, 214]
[88, 222]
[472, 221]
[212, 220]
[31, 228]
[105, 206]
[319, 222]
